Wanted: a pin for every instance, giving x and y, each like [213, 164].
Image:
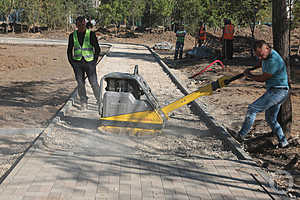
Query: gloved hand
[247, 73]
[222, 80]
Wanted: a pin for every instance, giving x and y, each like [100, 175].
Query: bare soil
[35, 83]
[34, 79]
[37, 80]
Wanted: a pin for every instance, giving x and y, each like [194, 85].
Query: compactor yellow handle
[203, 91]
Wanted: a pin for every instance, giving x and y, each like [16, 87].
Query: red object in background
[208, 66]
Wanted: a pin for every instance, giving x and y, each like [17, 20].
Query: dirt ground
[37, 80]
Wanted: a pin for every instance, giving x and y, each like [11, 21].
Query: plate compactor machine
[128, 102]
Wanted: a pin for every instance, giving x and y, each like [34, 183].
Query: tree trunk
[280, 40]
[7, 24]
[252, 28]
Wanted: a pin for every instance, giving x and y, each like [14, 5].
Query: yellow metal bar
[203, 91]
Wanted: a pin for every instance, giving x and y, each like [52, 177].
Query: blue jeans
[269, 102]
[179, 47]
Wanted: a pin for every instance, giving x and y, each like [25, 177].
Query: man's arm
[95, 44]
[221, 38]
[259, 78]
[70, 48]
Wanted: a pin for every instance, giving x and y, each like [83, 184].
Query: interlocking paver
[107, 166]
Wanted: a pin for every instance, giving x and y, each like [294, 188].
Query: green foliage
[116, 11]
[6, 7]
[157, 12]
[296, 14]
[105, 15]
[56, 13]
[248, 12]
[136, 8]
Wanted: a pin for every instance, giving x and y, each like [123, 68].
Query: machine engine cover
[118, 103]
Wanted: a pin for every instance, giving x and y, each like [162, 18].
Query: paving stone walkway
[73, 160]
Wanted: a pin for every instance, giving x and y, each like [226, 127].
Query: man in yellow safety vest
[83, 52]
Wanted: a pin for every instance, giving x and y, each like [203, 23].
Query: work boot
[240, 138]
[284, 143]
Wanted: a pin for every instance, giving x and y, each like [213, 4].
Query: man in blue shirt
[274, 75]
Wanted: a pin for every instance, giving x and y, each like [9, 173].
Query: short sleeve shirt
[275, 65]
[180, 36]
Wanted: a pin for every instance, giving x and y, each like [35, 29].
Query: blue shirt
[275, 65]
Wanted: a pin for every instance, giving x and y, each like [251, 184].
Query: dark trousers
[200, 42]
[179, 48]
[227, 49]
[80, 69]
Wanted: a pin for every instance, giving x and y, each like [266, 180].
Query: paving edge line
[56, 118]
[214, 125]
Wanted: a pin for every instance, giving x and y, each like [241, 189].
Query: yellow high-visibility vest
[86, 50]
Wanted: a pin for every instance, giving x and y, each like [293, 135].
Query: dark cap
[80, 19]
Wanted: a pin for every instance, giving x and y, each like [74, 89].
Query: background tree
[136, 9]
[105, 14]
[248, 13]
[6, 7]
[83, 7]
[296, 13]
[280, 26]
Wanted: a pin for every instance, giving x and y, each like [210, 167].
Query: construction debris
[200, 52]
[163, 46]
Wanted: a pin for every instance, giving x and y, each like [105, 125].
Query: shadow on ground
[34, 94]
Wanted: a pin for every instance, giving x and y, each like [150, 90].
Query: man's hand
[248, 74]
[260, 78]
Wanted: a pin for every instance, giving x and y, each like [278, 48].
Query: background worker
[89, 24]
[227, 38]
[83, 52]
[180, 34]
[274, 75]
[201, 34]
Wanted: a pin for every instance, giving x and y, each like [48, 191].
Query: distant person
[180, 34]
[274, 75]
[201, 35]
[227, 39]
[89, 24]
[83, 52]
